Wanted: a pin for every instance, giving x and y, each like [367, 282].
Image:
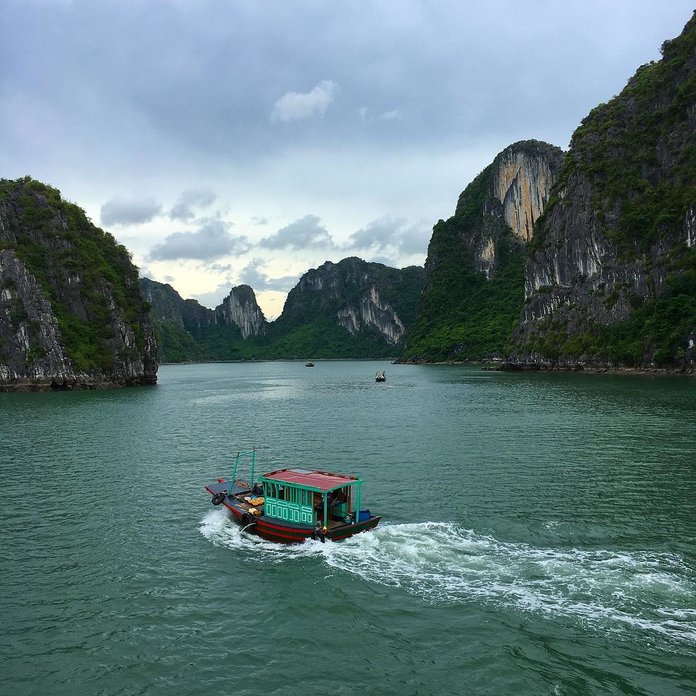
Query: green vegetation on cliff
[639, 149]
[308, 325]
[474, 289]
[176, 345]
[463, 315]
[378, 303]
[87, 276]
[657, 331]
[628, 186]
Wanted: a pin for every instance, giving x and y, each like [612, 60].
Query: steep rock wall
[522, 183]
[71, 313]
[32, 349]
[609, 278]
[359, 297]
[474, 269]
[372, 312]
[508, 196]
[238, 309]
[241, 309]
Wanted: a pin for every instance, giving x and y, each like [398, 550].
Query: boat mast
[234, 471]
[240, 454]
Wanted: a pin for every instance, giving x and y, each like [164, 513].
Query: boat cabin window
[298, 496]
[304, 505]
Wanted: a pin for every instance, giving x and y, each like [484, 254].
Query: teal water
[538, 535]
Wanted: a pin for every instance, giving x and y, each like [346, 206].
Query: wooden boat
[292, 505]
[380, 376]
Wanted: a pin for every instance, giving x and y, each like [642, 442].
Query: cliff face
[372, 312]
[522, 182]
[241, 309]
[362, 298]
[188, 331]
[71, 313]
[363, 309]
[168, 305]
[238, 309]
[611, 277]
[474, 270]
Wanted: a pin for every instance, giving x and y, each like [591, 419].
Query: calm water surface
[539, 535]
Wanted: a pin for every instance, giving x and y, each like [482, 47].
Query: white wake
[442, 563]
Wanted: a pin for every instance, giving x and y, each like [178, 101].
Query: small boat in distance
[309, 364]
[291, 505]
[380, 376]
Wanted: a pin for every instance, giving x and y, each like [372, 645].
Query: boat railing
[252, 457]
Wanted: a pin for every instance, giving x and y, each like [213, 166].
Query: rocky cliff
[350, 309]
[188, 331]
[357, 296]
[474, 270]
[71, 312]
[523, 175]
[241, 309]
[169, 306]
[611, 275]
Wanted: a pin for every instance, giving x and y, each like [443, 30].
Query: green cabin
[310, 497]
[306, 497]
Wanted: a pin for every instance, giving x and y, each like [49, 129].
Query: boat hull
[278, 531]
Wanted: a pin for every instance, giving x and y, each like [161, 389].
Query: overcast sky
[229, 141]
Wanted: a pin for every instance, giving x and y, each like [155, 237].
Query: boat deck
[238, 488]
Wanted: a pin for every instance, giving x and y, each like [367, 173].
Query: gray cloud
[129, 211]
[394, 234]
[215, 297]
[252, 276]
[367, 117]
[190, 200]
[220, 267]
[414, 239]
[210, 242]
[379, 233]
[302, 234]
[147, 94]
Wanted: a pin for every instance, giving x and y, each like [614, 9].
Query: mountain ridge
[352, 308]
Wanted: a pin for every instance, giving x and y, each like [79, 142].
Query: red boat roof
[321, 480]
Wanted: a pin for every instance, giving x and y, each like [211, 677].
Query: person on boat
[336, 499]
[319, 533]
[318, 507]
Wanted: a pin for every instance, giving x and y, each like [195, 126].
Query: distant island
[349, 309]
[71, 311]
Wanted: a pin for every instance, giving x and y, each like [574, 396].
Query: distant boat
[309, 364]
[380, 376]
[294, 504]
